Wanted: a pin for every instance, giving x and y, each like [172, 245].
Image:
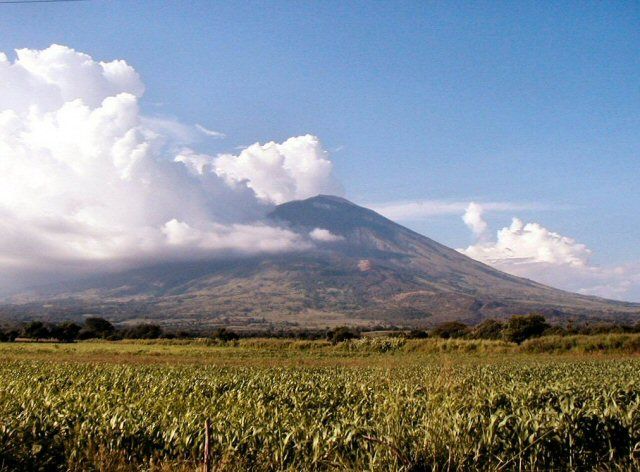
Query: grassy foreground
[379, 404]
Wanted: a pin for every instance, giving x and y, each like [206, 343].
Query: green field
[372, 404]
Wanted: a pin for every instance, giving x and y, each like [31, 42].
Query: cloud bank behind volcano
[88, 183]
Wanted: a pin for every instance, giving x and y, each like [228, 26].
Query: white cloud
[87, 182]
[58, 75]
[210, 132]
[237, 237]
[324, 235]
[473, 219]
[532, 251]
[522, 243]
[421, 209]
[279, 172]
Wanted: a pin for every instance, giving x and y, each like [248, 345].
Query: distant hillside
[365, 269]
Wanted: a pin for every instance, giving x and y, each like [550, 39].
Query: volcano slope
[362, 269]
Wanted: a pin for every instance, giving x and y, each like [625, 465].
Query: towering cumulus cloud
[277, 173]
[531, 250]
[86, 181]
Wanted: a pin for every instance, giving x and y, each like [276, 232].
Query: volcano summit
[360, 268]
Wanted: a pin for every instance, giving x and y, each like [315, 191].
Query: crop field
[363, 405]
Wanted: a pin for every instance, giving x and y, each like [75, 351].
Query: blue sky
[534, 103]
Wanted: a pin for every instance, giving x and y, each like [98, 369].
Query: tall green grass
[512, 415]
[603, 343]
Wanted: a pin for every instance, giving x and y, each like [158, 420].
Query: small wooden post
[207, 445]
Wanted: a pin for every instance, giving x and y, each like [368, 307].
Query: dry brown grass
[367, 352]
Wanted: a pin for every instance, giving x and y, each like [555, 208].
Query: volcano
[362, 269]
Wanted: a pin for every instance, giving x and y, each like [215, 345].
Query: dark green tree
[224, 334]
[451, 329]
[488, 329]
[95, 327]
[342, 333]
[36, 330]
[521, 328]
[143, 331]
[66, 331]
[417, 334]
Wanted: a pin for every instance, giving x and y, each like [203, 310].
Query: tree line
[68, 331]
[520, 328]
[515, 329]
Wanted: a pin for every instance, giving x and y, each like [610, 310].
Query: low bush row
[67, 331]
[516, 329]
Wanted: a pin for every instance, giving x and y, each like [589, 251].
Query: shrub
[450, 330]
[8, 334]
[521, 328]
[12, 334]
[143, 331]
[308, 335]
[338, 335]
[556, 331]
[66, 332]
[95, 327]
[223, 334]
[416, 334]
[182, 334]
[488, 329]
[36, 330]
